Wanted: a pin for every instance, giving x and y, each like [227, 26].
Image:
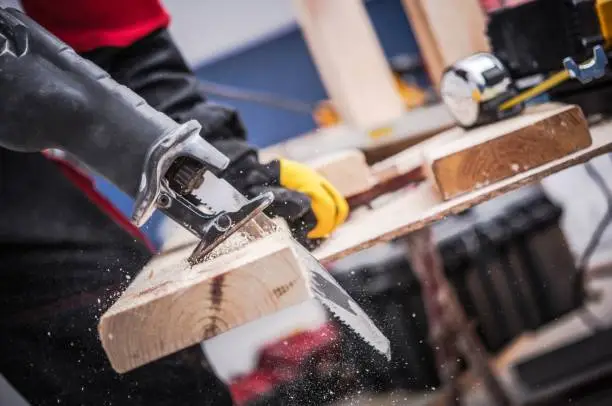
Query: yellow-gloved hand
[329, 206]
[311, 206]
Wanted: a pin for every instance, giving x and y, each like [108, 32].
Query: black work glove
[252, 178]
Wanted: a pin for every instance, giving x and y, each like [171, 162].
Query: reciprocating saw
[55, 99]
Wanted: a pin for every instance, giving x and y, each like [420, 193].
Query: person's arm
[150, 63]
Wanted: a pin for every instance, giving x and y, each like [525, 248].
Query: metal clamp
[592, 69]
[184, 140]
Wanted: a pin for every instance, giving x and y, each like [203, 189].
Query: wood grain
[171, 305]
[464, 160]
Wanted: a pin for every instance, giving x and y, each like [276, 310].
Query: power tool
[535, 46]
[55, 99]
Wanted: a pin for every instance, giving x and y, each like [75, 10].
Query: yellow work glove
[312, 207]
[328, 205]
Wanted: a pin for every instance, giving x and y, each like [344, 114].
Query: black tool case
[508, 262]
[576, 373]
[533, 38]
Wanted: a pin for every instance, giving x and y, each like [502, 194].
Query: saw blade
[342, 306]
[217, 194]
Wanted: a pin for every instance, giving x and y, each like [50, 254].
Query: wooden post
[450, 331]
[447, 30]
[350, 61]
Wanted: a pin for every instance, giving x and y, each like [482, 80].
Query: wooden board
[446, 31]
[171, 305]
[460, 161]
[350, 61]
[409, 163]
[347, 170]
[543, 130]
[411, 210]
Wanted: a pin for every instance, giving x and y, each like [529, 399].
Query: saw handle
[57, 99]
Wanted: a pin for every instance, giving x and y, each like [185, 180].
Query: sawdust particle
[233, 243]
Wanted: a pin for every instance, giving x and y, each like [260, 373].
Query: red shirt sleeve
[90, 24]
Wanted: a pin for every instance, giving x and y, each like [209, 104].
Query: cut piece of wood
[407, 166]
[171, 305]
[447, 32]
[347, 170]
[411, 210]
[350, 61]
[460, 161]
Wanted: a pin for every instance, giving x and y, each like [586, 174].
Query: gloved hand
[329, 206]
[312, 207]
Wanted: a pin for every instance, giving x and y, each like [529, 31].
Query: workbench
[391, 219]
[209, 297]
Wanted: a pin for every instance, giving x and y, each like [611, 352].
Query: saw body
[58, 100]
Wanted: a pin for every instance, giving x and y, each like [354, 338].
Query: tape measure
[479, 90]
[474, 88]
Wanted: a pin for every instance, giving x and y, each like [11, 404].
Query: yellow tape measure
[537, 90]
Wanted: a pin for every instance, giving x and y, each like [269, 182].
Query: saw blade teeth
[186, 175]
[339, 320]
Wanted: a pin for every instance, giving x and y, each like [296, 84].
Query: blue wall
[282, 65]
